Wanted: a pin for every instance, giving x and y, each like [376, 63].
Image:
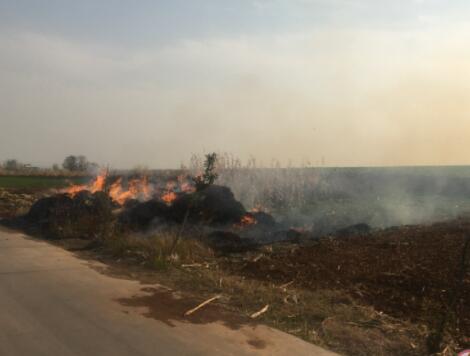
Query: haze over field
[371, 82]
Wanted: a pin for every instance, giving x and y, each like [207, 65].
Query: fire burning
[247, 220]
[137, 188]
[96, 186]
[169, 197]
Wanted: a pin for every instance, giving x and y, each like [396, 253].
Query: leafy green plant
[210, 175]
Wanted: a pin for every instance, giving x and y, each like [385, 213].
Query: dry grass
[324, 317]
[14, 204]
[158, 251]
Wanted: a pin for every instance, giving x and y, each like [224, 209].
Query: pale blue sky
[145, 21]
[371, 82]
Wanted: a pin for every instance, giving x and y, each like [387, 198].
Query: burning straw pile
[111, 205]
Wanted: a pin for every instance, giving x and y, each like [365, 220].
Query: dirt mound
[140, 215]
[86, 215]
[213, 205]
[44, 208]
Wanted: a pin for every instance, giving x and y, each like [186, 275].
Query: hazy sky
[126, 83]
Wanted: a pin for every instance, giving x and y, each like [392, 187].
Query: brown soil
[409, 272]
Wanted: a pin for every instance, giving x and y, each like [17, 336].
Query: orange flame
[118, 194]
[99, 183]
[95, 186]
[75, 189]
[247, 220]
[146, 188]
[138, 188]
[169, 197]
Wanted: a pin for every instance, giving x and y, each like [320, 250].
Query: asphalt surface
[55, 304]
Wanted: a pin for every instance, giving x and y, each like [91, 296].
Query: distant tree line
[77, 164]
[12, 165]
[71, 163]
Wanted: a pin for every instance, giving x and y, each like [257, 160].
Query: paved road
[54, 304]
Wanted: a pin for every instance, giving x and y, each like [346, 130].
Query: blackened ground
[409, 272]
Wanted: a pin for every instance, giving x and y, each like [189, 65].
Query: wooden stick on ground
[189, 312]
[258, 313]
[284, 286]
[191, 265]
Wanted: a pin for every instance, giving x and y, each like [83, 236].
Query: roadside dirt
[409, 272]
[15, 202]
